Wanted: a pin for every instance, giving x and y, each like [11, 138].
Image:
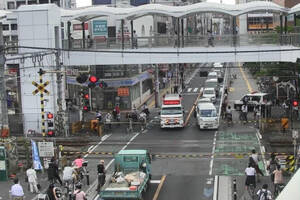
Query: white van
[210, 93]
[212, 75]
[212, 83]
[207, 117]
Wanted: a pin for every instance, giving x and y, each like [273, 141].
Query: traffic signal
[51, 133]
[82, 78]
[50, 120]
[93, 80]
[86, 108]
[86, 96]
[102, 84]
[50, 115]
[295, 103]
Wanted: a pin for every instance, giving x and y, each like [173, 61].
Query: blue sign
[100, 28]
[101, 2]
[139, 2]
[35, 156]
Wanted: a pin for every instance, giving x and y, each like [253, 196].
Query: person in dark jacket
[53, 173]
[101, 174]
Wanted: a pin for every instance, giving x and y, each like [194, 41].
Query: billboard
[101, 2]
[100, 28]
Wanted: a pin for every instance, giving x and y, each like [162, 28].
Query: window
[5, 27]
[143, 30]
[130, 158]
[208, 113]
[19, 3]
[11, 5]
[14, 38]
[30, 2]
[14, 27]
[256, 98]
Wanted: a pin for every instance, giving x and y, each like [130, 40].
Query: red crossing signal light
[93, 79]
[50, 115]
[295, 103]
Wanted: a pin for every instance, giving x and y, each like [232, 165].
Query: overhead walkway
[158, 50]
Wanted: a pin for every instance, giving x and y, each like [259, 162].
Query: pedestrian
[278, 178]
[68, 174]
[264, 193]
[89, 41]
[164, 82]
[250, 173]
[99, 116]
[244, 113]
[253, 159]
[108, 119]
[16, 190]
[53, 173]
[78, 193]
[32, 180]
[175, 39]
[271, 166]
[135, 40]
[101, 175]
[210, 39]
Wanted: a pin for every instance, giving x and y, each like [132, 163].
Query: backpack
[263, 195]
[273, 165]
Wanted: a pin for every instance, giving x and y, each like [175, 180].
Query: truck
[131, 176]
[172, 112]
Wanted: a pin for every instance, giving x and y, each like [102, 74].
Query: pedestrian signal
[86, 108]
[102, 84]
[86, 96]
[51, 133]
[93, 79]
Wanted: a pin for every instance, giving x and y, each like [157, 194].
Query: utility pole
[3, 95]
[156, 87]
[60, 122]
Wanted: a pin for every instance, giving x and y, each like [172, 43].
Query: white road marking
[262, 151]
[189, 89]
[155, 181]
[109, 164]
[216, 183]
[195, 89]
[213, 154]
[92, 149]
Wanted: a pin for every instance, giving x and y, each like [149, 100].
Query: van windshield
[209, 92]
[211, 84]
[171, 111]
[208, 113]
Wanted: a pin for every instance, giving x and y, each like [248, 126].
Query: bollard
[234, 190]
[87, 178]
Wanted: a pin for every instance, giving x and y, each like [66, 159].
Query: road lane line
[189, 89]
[155, 181]
[195, 90]
[246, 79]
[211, 165]
[163, 178]
[193, 108]
[90, 148]
[262, 151]
[216, 184]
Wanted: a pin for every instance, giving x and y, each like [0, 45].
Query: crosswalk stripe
[189, 89]
[195, 90]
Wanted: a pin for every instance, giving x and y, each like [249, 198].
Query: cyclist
[77, 163]
[108, 119]
[264, 193]
[228, 114]
[68, 174]
[278, 179]
[146, 110]
[250, 173]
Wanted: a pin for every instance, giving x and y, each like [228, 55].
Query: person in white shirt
[32, 180]
[68, 173]
[244, 113]
[250, 173]
[254, 161]
[16, 190]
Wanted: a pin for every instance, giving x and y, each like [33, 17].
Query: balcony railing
[186, 41]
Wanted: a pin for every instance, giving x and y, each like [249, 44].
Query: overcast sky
[82, 3]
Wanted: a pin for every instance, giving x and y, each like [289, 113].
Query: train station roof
[88, 13]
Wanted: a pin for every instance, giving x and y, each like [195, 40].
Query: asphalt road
[188, 158]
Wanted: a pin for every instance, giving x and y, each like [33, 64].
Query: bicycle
[278, 188]
[251, 190]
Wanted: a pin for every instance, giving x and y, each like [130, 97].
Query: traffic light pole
[3, 95]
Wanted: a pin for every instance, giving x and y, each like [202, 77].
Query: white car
[210, 93]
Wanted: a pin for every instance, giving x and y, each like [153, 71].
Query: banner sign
[35, 156]
[123, 92]
[100, 28]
